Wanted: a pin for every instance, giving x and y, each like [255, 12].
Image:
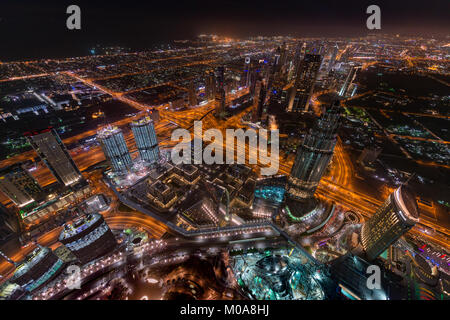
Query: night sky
[34, 29]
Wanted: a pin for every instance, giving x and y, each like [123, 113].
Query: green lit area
[279, 274]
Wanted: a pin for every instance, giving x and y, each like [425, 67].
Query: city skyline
[225, 165]
[145, 25]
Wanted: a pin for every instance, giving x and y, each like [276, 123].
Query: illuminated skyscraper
[19, 186]
[314, 155]
[258, 100]
[88, 237]
[9, 227]
[220, 90]
[115, 148]
[305, 78]
[332, 58]
[396, 216]
[348, 81]
[210, 86]
[192, 95]
[52, 151]
[37, 268]
[146, 139]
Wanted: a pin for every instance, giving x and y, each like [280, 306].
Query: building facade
[305, 78]
[88, 237]
[19, 186]
[314, 155]
[146, 139]
[115, 148]
[220, 90]
[52, 151]
[396, 216]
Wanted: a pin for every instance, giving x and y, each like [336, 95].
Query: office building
[146, 139]
[115, 148]
[348, 81]
[192, 94]
[9, 231]
[210, 86]
[54, 154]
[305, 79]
[38, 268]
[332, 59]
[88, 237]
[258, 100]
[395, 217]
[314, 155]
[220, 90]
[350, 274]
[19, 186]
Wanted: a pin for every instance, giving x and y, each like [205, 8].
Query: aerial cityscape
[217, 167]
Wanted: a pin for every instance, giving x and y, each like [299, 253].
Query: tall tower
[115, 148]
[210, 86]
[348, 81]
[220, 93]
[146, 139]
[19, 186]
[332, 58]
[313, 155]
[192, 94]
[305, 78]
[258, 100]
[396, 216]
[52, 151]
[9, 225]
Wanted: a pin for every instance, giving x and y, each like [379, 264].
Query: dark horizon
[31, 30]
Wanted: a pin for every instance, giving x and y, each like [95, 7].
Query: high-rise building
[258, 100]
[253, 78]
[305, 79]
[115, 148]
[246, 75]
[38, 268]
[88, 238]
[220, 90]
[396, 216]
[332, 58]
[9, 224]
[146, 139]
[350, 273]
[314, 155]
[192, 95]
[210, 86]
[52, 151]
[19, 186]
[349, 81]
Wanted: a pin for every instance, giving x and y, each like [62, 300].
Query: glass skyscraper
[146, 139]
[397, 215]
[115, 148]
[52, 151]
[305, 78]
[220, 92]
[19, 186]
[313, 155]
